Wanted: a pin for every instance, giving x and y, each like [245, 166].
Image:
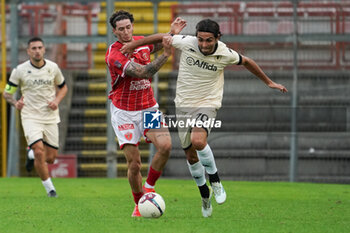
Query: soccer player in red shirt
[131, 95]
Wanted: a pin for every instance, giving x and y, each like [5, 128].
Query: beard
[37, 59]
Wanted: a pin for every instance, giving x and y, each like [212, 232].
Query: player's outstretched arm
[152, 39]
[146, 71]
[176, 28]
[254, 68]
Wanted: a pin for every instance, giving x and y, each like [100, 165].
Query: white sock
[197, 172]
[148, 186]
[31, 154]
[207, 159]
[48, 185]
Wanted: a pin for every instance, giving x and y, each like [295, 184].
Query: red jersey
[129, 93]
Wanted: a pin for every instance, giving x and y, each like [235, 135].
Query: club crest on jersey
[145, 56]
[128, 136]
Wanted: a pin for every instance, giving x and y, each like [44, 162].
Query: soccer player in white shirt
[199, 94]
[43, 87]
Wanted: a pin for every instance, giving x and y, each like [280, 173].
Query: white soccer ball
[151, 205]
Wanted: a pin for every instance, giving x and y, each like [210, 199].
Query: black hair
[33, 39]
[208, 25]
[120, 15]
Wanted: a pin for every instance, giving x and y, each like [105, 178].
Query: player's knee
[51, 156]
[39, 154]
[165, 148]
[50, 160]
[198, 143]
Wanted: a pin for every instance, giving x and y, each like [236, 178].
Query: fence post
[294, 135]
[111, 158]
[3, 80]
[13, 150]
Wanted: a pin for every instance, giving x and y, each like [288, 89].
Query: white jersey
[38, 87]
[200, 80]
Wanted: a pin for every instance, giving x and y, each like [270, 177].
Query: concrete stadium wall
[252, 149]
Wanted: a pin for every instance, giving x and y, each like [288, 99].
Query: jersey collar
[38, 66]
[216, 47]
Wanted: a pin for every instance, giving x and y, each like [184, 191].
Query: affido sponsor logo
[201, 64]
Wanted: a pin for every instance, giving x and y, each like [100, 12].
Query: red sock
[153, 176]
[137, 196]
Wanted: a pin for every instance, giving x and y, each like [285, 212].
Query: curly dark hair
[208, 25]
[120, 15]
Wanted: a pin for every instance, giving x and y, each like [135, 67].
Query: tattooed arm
[17, 104]
[146, 71]
[157, 47]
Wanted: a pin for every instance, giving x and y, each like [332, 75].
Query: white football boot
[219, 192]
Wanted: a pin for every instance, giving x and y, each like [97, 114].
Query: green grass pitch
[105, 205]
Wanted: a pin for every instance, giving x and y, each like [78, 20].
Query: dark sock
[214, 177]
[204, 190]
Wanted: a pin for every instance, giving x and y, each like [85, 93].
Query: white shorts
[199, 114]
[34, 132]
[128, 125]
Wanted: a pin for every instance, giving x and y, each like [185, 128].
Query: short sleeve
[232, 57]
[15, 76]
[59, 79]
[182, 41]
[117, 62]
